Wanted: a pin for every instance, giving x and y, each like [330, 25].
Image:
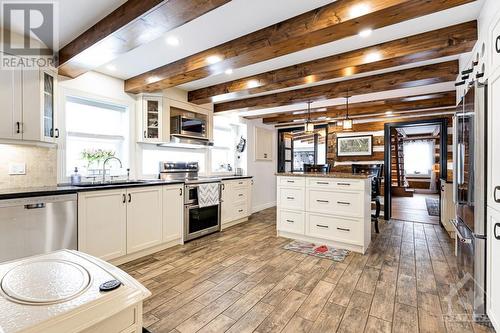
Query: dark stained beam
[421, 102]
[439, 43]
[133, 24]
[326, 24]
[414, 77]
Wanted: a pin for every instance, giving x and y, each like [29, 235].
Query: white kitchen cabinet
[102, 225]
[144, 218]
[28, 97]
[11, 116]
[493, 269]
[151, 118]
[236, 201]
[447, 207]
[263, 144]
[493, 142]
[173, 212]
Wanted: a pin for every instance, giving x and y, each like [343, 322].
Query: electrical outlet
[17, 168]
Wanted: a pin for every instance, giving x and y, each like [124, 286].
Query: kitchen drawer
[291, 221]
[239, 194]
[291, 198]
[334, 228]
[336, 183]
[240, 210]
[240, 183]
[292, 181]
[343, 203]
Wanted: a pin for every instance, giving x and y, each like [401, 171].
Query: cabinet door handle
[497, 44]
[343, 203]
[180, 192]
[323, 201]
[124, 198]
[343, 184]
[18, 127]
[322, 226]
[145, 135]
[497, 225]
[343, 229]
[223, 187]
[290, 221]
[497, 188]
[57, 133]
[129, 197]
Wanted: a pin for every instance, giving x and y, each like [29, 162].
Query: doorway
[415, 161]
[296, 148]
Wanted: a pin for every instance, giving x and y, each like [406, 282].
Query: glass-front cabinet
[50, 132]
[152, 119]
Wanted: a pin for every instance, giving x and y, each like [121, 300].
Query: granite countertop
[324, 175]
[61, 189]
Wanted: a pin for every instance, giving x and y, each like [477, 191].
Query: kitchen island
[325, 208]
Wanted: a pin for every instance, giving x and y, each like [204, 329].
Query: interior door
[11, 101]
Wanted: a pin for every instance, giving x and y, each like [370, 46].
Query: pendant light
[347, 123]
[309, 126]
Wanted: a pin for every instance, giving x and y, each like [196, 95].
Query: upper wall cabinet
[263, 144]
[28, 97]
[494, 45]
[151, 118]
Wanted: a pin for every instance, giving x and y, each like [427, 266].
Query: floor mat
[432, 206]
[321, 251]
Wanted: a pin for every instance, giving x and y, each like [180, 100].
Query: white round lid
[46, 281]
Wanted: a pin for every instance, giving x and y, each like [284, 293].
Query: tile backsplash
[41, 166]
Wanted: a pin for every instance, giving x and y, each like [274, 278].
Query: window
[418, 157]
[94, 130]
[297, 148]
[226, 137]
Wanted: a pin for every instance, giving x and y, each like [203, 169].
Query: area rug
[432, 206]
[321, 251]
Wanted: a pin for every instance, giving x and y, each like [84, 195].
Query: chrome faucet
[104, 166]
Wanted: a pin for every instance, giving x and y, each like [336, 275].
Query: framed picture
[355, 145]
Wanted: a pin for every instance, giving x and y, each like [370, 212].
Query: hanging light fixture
[309, 126]
[347, 123]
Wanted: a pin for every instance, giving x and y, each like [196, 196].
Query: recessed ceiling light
[359, 10]
[365, 33]
[389, 113]
[228, 71]
[213, 59]
[173, 41]
[253, 84]
[373, 56]
[111, 67]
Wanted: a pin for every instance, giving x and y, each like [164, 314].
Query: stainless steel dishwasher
[30, 226]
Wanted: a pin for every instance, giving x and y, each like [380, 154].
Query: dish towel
[208, 194]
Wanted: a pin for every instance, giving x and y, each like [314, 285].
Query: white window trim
[64, 93]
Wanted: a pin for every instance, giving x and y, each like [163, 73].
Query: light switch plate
[17, 168]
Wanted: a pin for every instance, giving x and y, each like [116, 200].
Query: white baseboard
[258, 208]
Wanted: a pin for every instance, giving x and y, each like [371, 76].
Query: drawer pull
[290, 221]
[240, 195]
[290, 198]
[343, 229]
[290, 181]
[343, 203]
[323, 201]
[322, 226]
[240, 210]
[497, 200]
[344, 184]
[240, 183]
[497, 44]
[322, 183]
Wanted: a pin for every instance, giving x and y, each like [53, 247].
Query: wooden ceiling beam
[439, 43]
[414, 77]
[326, 24]
[133, 24]
[421, 102]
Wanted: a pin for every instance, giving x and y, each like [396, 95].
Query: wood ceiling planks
[439, 43]
[133, 24]
[421, 102]
[414, 77]
[325, 24]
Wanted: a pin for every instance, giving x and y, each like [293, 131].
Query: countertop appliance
[469, 197]
[37, 225]
[188, 126]
[65, 292]
[198, 221]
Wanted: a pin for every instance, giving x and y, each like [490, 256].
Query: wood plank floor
[413, 208]
[242, 280]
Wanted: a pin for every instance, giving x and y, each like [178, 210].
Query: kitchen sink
[112, 183]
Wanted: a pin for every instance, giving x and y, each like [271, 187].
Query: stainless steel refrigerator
[469, 196]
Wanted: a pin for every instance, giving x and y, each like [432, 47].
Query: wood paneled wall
[344, 164]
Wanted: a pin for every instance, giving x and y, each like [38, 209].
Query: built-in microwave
[187, 126]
